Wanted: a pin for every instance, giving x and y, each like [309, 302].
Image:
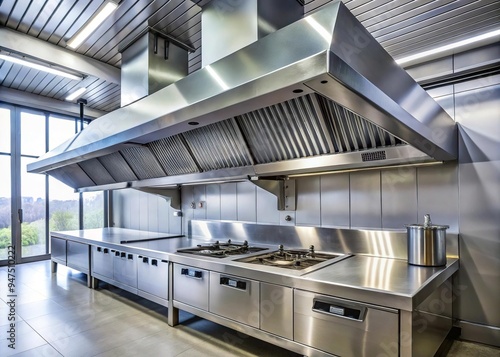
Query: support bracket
[172, 194]
[280, 186]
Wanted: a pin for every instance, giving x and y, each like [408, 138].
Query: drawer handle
[117, 254]
[154, 262]
[105, 250]
[99, 249]
[145, 260]
[233, 283]
[191, 273]
[130, 257]
[123, 255]
[338, 310]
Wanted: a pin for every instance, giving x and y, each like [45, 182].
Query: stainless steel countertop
[380, 281]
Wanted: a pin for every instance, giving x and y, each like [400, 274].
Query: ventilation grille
[373, 156]
[218, 146]
[173, 156]
[117, 167]
[142, 162]
[94, 169]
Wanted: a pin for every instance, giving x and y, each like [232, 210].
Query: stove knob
[245, 243]
[229, 241]
[280, 252]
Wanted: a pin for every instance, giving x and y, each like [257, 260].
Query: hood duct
[318, 95]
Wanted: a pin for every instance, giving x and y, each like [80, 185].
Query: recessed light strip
[39, 67]
[75, 94]
[451, 46]
[92, 25]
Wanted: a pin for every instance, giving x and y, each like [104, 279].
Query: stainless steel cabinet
[344, 328]
[235, 298]
[152, 279]
[78, 256]
[125, 269]
[191, 286]
[102, 262]
[58, 250]
[276, 310]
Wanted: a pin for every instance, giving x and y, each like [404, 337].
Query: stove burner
[221, 250]
[291, 259]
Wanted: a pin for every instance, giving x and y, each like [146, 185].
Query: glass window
[93, 210]
[4, 130]
[32, 134]
[63, 207]
[5, 210]
[33, 235]
[60, 130]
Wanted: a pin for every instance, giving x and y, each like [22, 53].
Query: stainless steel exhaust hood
[320, 94]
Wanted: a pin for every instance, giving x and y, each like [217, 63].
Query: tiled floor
[58, 315]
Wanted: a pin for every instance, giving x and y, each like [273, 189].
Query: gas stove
[297, 259]
[222, 250]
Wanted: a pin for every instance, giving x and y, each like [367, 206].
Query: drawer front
[235, 298]
[78, 256]
[152, 276]
[276, 310]
[58, 250]
[191, 286]
[125, 268]
[102, 261]
[343, 327]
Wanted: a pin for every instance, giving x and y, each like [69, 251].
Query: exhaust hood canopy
[318, 95]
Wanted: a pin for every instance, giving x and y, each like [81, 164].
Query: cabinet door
[152, 276]
[58, 250]
[78, 256]
[276, 310]
[125, 268]
[191, 286]
[102, 261]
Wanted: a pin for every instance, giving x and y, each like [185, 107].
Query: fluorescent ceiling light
[92, 25]
[448, 47]
[39, 67]
[75, 94]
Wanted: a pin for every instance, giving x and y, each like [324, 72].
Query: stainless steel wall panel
[143, 210]
[335, 205]
[246, 202]
[174, 222]
[399, 197]
[135, 209]
[366, 209]
[199, 197]
[228, 202]
[267, 204]
[308, 211]
[165, 216]
[152, 211]
[437, 194]
[187, 211]
[213, 201]
[117, 220]
[478, 281]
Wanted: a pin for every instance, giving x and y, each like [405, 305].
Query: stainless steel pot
[426, 243]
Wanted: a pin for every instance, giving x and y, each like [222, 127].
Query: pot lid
[427, 224]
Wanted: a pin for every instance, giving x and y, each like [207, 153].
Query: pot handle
[427, 220]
